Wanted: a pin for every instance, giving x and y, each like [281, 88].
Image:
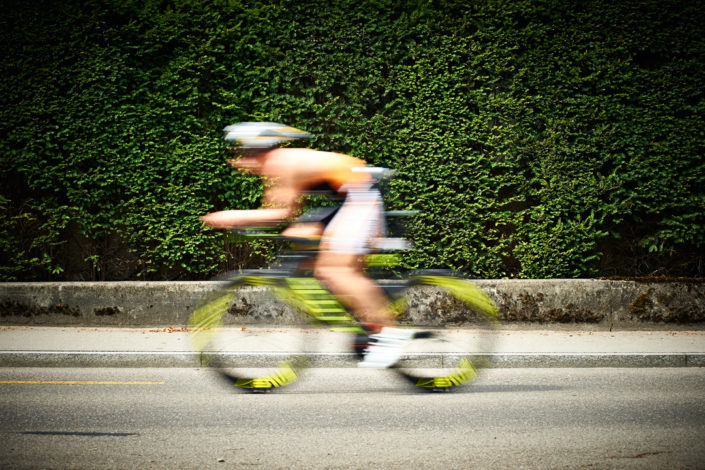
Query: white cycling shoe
[386, 347]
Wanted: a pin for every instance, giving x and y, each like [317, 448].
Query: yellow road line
[77, 382]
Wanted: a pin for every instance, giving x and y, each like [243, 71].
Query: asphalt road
[352, 419]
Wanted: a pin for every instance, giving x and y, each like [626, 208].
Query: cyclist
[346, 235]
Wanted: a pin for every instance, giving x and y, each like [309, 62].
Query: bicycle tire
[261, 346]
[235, 329]
[456, 326]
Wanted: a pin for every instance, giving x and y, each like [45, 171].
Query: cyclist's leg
[339, 265]
[344, 275]
[304, 230]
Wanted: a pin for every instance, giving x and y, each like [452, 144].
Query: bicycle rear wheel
[456, 326]
[248, 337]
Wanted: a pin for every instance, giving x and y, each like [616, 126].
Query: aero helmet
[262, 134]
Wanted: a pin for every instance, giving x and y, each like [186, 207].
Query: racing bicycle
[239, 328]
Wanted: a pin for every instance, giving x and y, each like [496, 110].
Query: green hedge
[537, 138]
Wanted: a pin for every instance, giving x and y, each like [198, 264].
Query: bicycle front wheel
[248, 337]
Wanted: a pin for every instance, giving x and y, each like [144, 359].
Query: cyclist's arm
[281, 200]
[245, 218]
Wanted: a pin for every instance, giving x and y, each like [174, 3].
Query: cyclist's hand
[222, 220]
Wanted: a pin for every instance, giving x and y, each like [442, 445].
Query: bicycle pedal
[359, 344]
[423, 335]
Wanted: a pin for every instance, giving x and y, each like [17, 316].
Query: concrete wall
[598, 303]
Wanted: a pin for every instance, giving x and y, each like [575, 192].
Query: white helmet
[262, 134]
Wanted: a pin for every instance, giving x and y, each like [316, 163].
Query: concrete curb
[604, 303]
[193, 359]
